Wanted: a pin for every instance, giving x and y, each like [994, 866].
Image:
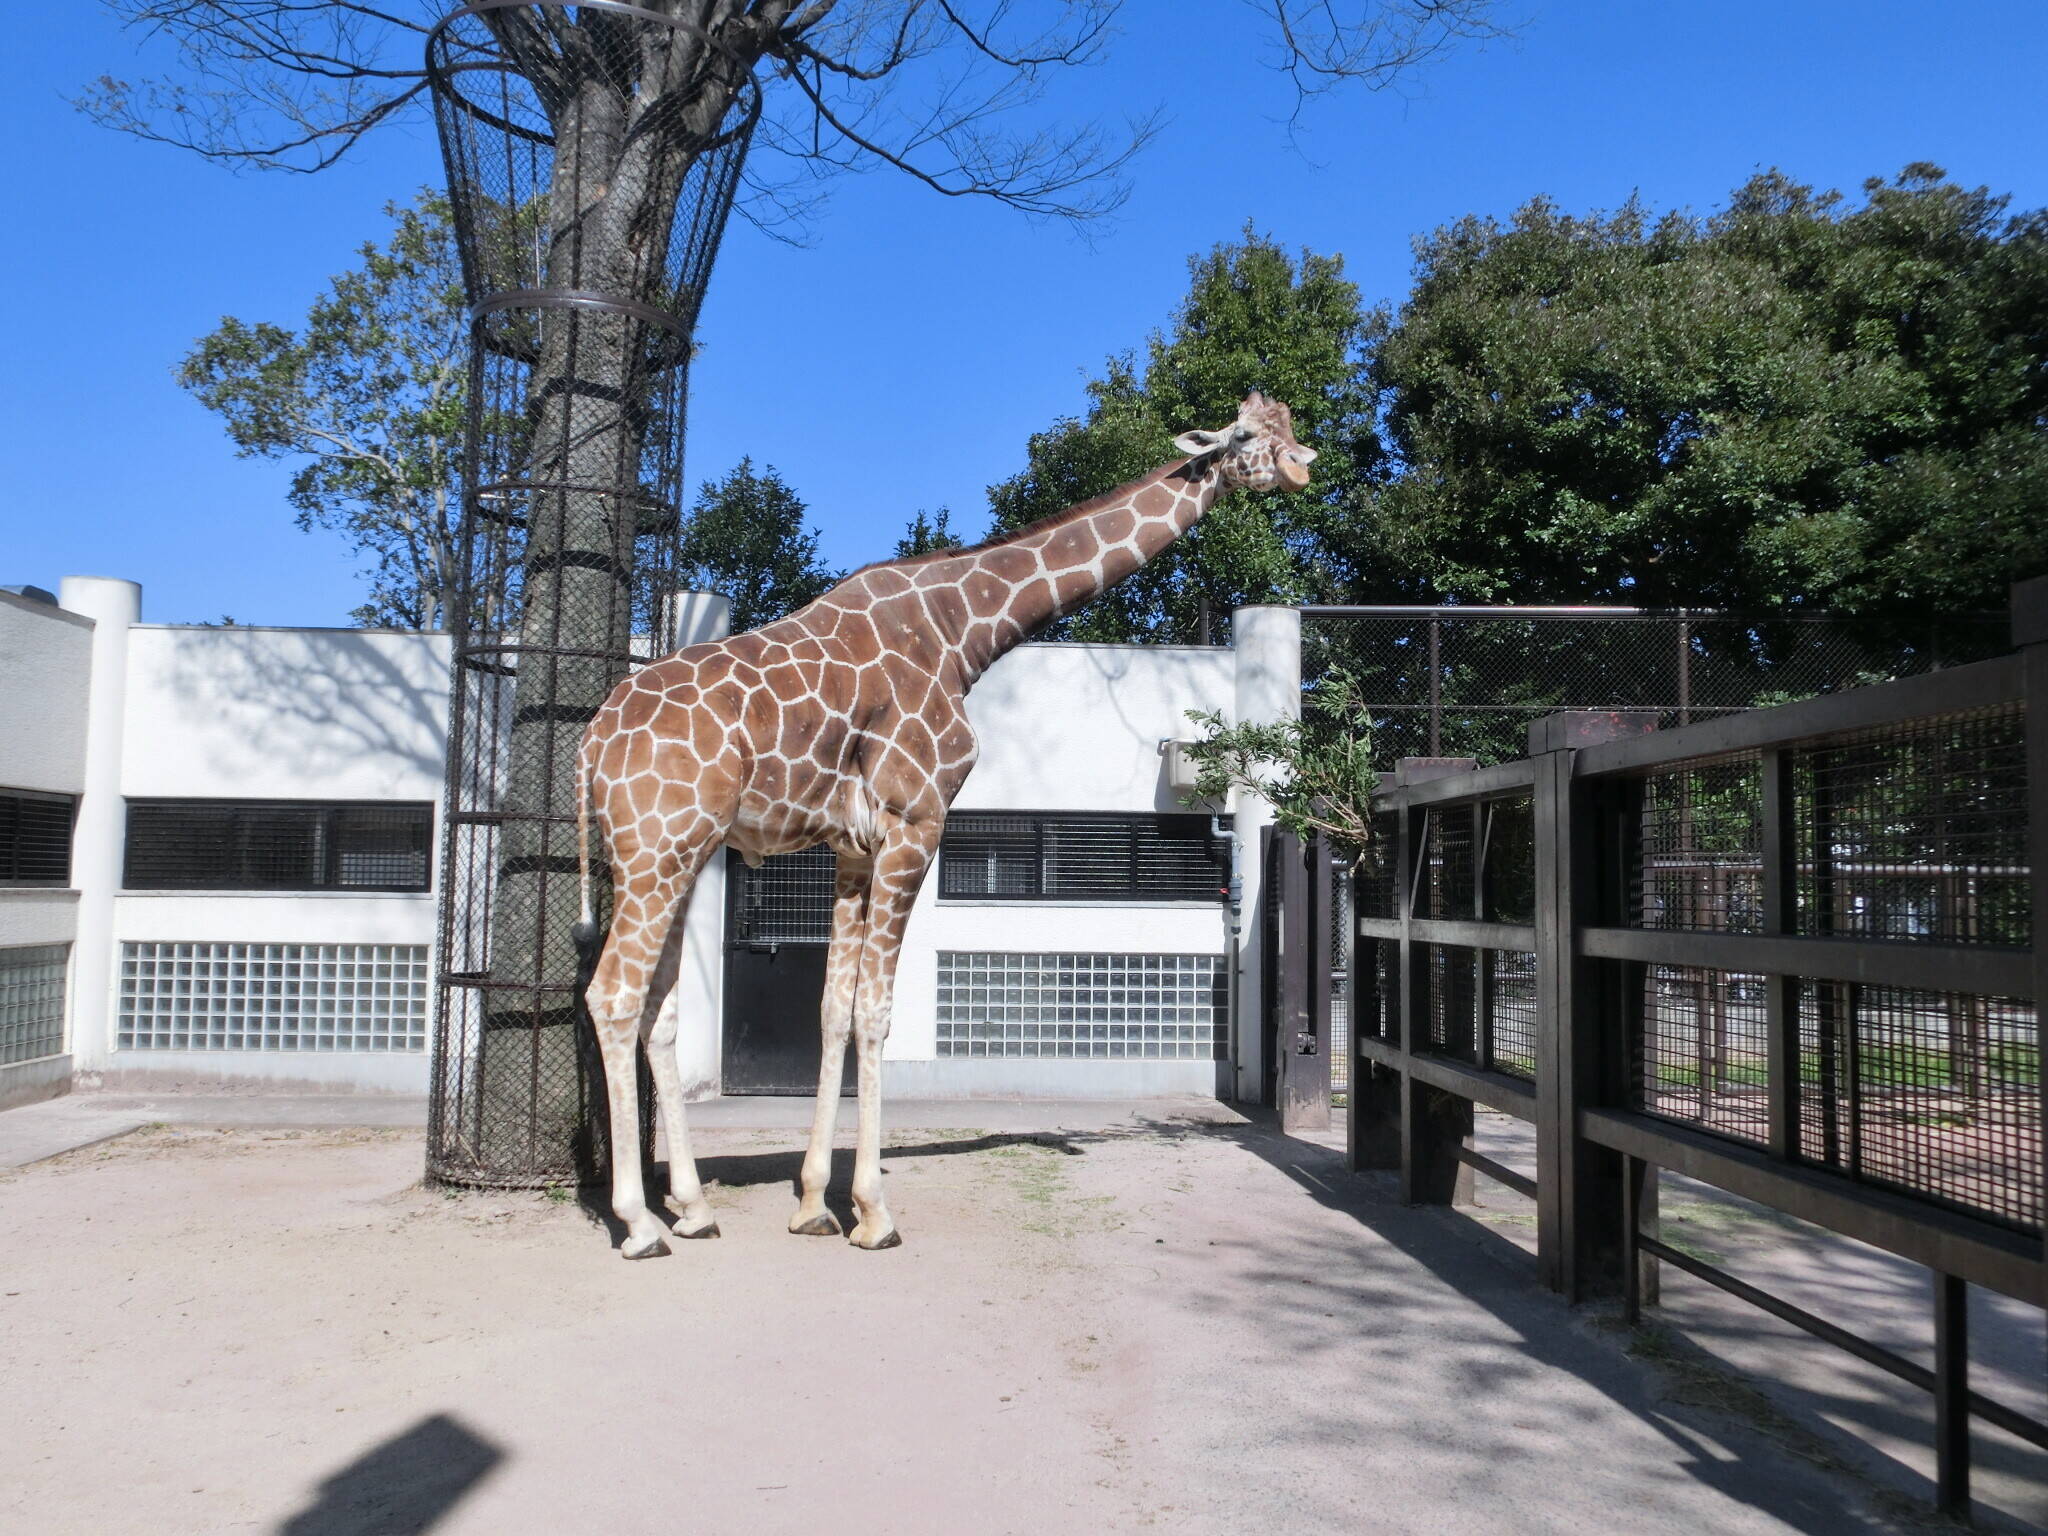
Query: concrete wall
[47, 655]
[277, 714]
[246, 713]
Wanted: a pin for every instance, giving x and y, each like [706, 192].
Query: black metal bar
[1500, 1173]
[1799, 1317]
[1994, 1257]
[1980, 685]
[1301, 1095]
[1454, 932]
[1512, 1096]
[1436, 687]
[1554, 968]
[2030, 633]
[1319, 1066]
[1631, 1240]
[1781, 1002]
[1990, 1410]
[1566, 611]
[1407, 962]
[1683, 628]
[1951, 1393]
[1865, 962]
[1462, 784]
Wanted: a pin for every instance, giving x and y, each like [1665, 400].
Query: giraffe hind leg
[835, 1023]
[618, 998]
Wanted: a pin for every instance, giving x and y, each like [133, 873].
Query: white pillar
[1267, 641]
[694, 617]
[697, 617]
[100, 836]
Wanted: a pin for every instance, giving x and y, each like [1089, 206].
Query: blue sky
[902, 359]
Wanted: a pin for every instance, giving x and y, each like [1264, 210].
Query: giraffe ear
[1199, 442]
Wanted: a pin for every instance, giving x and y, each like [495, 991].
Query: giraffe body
[844, 724]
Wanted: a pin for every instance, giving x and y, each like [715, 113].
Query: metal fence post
[1436, 687]
[1581, 1190]
[1317, 1068]
[1372, 1111]
[1435, 1125]
[1301, 1092]
[1951, 1393]
[1781, 993]
[2030, 638]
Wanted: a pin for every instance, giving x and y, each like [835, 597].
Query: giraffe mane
[1052, 520]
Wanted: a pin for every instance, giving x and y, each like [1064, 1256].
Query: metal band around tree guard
[579, 298]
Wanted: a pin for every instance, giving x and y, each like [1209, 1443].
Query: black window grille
[35, 837]
[1030, 856]
[278, 845]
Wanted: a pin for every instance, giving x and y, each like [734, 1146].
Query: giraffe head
[1258, 450]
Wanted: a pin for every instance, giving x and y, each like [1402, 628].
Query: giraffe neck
[1049, 569]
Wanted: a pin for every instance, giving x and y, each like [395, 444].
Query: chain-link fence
[592, 156]
[1466, 682]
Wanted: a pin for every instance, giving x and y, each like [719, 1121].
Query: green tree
[369, 396]
[1793, 402]
[924, 534]
[1255, 317]
[746, 539]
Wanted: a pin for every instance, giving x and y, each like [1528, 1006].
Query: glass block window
[35, 837]
[1029, 856]
[1150, 1007]
[32, 1001]
[277, 845]
[273, 997]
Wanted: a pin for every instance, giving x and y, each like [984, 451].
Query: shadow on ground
[1698, 1398]
[403, 1487]
[1723, 1433]
[747, 1170]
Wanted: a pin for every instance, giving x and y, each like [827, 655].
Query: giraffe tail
[584, 933]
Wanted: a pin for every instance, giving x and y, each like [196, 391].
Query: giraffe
[844, 724]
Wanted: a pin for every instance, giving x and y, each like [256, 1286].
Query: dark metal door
[778, 924]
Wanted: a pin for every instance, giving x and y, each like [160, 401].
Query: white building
[217, 851]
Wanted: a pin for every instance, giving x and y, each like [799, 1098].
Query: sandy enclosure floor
[1171, 1327]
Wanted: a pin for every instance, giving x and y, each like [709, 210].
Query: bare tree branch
[916, 85]
[1377, 44]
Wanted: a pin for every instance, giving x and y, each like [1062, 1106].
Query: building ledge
[217, 895]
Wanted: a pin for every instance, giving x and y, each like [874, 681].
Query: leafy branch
[1316, 771]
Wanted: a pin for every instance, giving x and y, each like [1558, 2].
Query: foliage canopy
[746, 539]
[369, 394]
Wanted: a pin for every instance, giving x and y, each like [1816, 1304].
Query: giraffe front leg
[835, 1020]
[899, 871]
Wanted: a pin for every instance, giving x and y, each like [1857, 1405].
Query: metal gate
[778, 927]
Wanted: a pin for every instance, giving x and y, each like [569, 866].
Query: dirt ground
[1165, 1326]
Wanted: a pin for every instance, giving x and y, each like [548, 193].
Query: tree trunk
[611, 208]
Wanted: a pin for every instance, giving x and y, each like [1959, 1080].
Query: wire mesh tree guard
[593, 152]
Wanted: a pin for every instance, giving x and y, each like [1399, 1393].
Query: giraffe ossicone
[844, 724]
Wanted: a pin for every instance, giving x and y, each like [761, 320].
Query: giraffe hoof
[709, 1229]
[824, 1224]
[893, 1239]
[655, 1250]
